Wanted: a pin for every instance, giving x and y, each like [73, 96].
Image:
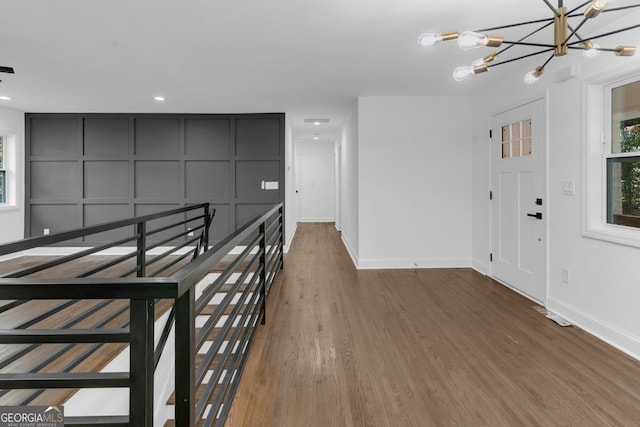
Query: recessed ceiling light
[316, 121]
[316, 137]
[159, 98]
[5, 98]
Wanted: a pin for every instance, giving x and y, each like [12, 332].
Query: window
[623, 156]
[3, 171]
[516, 139]
[9, 170]
[611, 158]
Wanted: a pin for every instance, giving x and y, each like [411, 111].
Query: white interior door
[518, 207]
[316, 189]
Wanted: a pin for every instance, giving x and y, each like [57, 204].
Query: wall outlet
[564, 275]
[46, 231]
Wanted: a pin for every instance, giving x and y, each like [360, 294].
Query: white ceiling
[310, 59]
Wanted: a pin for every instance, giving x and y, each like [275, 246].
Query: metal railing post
[141, 231]
[141, 362]
[185, 359]
[263, 271]
[281, 225]
[206, 227]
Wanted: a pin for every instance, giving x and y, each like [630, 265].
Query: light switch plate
[568, 188]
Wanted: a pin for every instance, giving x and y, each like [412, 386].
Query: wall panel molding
[85, 169]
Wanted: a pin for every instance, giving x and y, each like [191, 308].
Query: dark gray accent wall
[85, 169]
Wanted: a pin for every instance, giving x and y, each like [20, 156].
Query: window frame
[596, 152]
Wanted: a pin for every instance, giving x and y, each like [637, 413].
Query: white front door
[518, 206]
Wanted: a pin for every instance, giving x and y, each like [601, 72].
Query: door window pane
[506, 150]
[516, 139]
[505, 134]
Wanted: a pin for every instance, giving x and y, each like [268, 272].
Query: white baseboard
[320, 219]
[480, 267]
[352, 253]
[607, 332]
[287, 244]
[402, 263]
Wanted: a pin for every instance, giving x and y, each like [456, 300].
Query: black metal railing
[226, 289]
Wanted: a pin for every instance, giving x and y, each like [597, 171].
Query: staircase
[61, 335]
[221, 360]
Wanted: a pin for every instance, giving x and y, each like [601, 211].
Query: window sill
[615, 234]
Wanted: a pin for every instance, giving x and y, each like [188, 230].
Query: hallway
[343, 347]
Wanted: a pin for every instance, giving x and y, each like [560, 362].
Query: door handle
[537, 215]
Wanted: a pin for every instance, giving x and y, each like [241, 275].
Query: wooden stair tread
[199, 393]
[38, 354]
[208, 310]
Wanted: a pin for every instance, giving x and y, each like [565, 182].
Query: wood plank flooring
[435, 347]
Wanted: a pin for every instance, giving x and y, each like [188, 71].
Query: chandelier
[565, 37]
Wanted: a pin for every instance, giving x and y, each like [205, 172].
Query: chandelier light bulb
[470, 40]
[462, 73]
[533, 76]
[590, 50]
[429, 39]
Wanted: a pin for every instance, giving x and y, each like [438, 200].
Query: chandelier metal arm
[601, 49]
[616, 9]
[547, 61]
[575, 31]
[527, 36]
[572, 11]
[537, 21]
[523, 56]
[553, 8]
[529, 44]
[610, 33]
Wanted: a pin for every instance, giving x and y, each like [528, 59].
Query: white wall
[349, 183]
[12, 217]
[316, 187]
[291, 213]
[414, 174]
[604, 290]
[337, 148]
